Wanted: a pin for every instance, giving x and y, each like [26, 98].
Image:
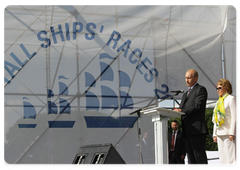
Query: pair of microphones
[177, 91]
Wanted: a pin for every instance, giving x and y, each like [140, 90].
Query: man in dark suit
[176, 146]
[193, 104]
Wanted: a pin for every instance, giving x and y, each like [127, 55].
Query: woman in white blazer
[224, 119]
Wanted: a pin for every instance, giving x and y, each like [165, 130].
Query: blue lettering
[154, 70]
[44, 39]
[26, 52]
[114, 39]
[21, 64]
[67, 31]
[75, 30]
[17, 60]
[57, 33]
[10, 68]
[90, 31]
[143, 64]
[150, 79]
[162, 92]
[133, 54]
[127, 45]
[149, 76]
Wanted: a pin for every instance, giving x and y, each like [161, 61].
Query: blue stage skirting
[61, 124]
[110, 122]
[27, 125]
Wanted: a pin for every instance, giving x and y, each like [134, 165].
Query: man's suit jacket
[194, 105]
[179, 145]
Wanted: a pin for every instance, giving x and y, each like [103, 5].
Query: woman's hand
[231, 137]
[215, 139]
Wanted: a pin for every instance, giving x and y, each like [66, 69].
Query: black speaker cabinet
[98, 154]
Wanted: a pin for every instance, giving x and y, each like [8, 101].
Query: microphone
[177, 91]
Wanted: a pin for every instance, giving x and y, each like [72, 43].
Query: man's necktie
[172, 142]
[188, 91]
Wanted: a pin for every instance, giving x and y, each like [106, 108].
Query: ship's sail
[29, 110]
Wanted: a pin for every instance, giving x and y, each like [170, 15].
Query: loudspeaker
[98, 154]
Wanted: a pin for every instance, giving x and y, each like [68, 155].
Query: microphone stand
[177, 102]
[139, 122]
[145, 107]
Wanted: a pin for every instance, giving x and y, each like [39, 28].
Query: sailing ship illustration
[64, 108]
[64, 104]
[29, 113]
[110, 100]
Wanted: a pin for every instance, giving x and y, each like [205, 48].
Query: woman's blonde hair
[226, 85]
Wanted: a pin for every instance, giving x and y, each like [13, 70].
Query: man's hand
[177, 110]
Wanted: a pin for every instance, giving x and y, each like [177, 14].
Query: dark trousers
[173, 159]
[196, 145]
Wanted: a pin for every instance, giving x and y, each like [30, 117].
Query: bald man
[194, 128]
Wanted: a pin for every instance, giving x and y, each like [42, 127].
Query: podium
[160, 117]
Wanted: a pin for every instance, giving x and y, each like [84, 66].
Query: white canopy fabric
[73, 74]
